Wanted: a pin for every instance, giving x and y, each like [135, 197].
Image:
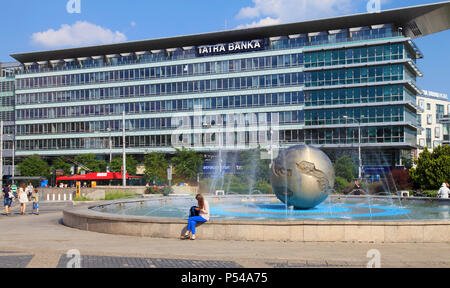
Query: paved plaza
[43, 242]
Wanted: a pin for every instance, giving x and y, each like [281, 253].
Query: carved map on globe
[302, 176]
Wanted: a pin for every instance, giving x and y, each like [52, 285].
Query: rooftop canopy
[416, 22]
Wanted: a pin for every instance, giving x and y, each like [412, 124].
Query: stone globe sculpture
[302, 176]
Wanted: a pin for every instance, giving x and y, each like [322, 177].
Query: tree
[156, 167]
[61, 164]
[91, 162]
[253, 165]
[116, 165]
[187, 164]
[432, 169]
[34, 166]
[345, 168]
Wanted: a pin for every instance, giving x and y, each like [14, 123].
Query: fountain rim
[88, 212]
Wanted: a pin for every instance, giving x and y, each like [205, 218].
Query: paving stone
[20, 261]
[306, 264]
[92, 261]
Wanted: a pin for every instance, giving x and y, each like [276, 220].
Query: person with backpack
[8, 199]
[198, 215]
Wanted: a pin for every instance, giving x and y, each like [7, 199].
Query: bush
[340, 184]
[402, 179]
[155, 190]
[432, 169]
[118, 195]
[234, 184]
[81, 199]
[376, 188]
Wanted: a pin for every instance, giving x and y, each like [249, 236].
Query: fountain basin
[306, 227]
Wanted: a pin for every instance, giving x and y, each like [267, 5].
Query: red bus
[101, 179]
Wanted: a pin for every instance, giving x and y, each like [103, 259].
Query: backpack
[193, 212]
[7, 193]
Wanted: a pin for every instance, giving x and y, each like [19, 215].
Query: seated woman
[203, 216]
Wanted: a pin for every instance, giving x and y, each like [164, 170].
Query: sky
[36, 25]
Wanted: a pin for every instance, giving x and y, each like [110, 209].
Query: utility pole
[124, 156]
[13, 155]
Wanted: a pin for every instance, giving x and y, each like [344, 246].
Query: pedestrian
[23, 198]
[203, 216]
[29, 191]
[35, 199]
[357, 188]
[14, 190]
[444, 192]
[8, 197]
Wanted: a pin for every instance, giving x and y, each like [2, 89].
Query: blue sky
[36, 25]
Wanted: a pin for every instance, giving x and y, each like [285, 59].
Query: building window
[439, 112]
[428, 106]
[429, 138]
[422, 142]
[438, 132]
[429, 119]
[422, 104]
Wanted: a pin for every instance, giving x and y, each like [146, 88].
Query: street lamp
[124, 154]
[110, 147]
[359, 144]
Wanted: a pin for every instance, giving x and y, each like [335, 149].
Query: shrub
[376, 188]
[164, 190]
[114, 195]
[340, 184]
[402, 179]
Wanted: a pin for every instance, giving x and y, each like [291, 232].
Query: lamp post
[124, 154]
[1, 154]
[359, 144]
[110, 148]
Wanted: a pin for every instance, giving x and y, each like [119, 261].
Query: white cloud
[79, 34]
[263, 22]
[133, 24]
[283, 11]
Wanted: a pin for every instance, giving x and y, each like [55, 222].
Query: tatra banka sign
[235, 47]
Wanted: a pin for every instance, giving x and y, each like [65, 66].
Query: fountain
[302, 209]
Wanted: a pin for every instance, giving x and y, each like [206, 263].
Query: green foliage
[81, 199]
[34, 166]
[340, 184]
[254, 166]
[235, 184]
[432, 169]
[91, 162]
[345, 168]
[165, 190]
[187, 164]
[114, 195]
[156, 167]
[116, 165]
[61, 164]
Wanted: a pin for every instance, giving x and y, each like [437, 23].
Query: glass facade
[308, 82]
